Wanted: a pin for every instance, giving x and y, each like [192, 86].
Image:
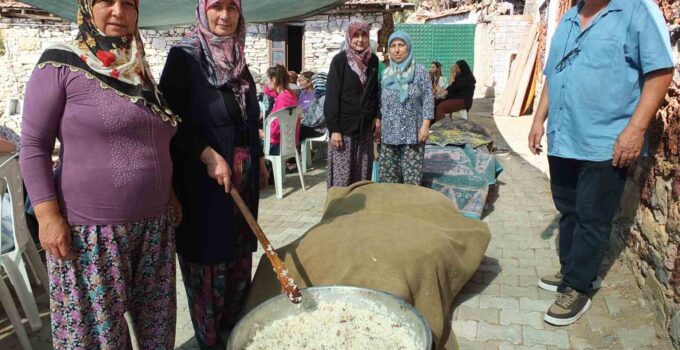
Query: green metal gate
[446, 43]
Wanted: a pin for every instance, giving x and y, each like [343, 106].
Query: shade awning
[171, 13]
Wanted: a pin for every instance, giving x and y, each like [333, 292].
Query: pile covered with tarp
[402, 239]
[459, 163]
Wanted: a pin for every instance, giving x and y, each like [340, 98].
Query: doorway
[295, 42]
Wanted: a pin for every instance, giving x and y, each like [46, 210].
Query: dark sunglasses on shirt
[567, 59]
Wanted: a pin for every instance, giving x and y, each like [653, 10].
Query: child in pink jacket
[278, 88]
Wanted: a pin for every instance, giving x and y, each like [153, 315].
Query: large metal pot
[280, 307]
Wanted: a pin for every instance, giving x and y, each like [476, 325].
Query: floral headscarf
[358, 61]
[398, 75]
[117, 62]
[222, 59]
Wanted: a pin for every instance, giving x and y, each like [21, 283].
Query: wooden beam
[524, 81]
[516, 73]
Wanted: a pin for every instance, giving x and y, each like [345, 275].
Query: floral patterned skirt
[352, 164]
[119, 268]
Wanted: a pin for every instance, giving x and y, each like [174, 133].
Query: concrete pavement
[500, 308]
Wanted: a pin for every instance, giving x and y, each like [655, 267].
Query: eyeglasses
[571, 55]
[567, 59]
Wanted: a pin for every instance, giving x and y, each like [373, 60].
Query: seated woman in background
[306, 96]
[438, 80]
[293, 78]
[458, 95]
[9, 143]
[314, 122]
[278, 87]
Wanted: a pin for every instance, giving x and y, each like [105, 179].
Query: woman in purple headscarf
[351, 109]
[208, 84]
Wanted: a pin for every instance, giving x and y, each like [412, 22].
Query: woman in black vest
[216, 147]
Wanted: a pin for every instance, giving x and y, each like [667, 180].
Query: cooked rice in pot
[335, 326]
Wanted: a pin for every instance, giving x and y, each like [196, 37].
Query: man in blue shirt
[608, 70]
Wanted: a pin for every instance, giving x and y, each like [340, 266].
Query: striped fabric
[319, 84]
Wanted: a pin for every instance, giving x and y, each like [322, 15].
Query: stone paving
[500, 308]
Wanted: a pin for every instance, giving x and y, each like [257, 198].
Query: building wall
[508, 33]
[325, 33]
[648, 227]
[484, 60]
[257, 49]
[495, 42]
[24, 41]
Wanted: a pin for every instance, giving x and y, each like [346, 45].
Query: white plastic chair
[13, 315]
[288, 118]
[463, 114]
[12, 261]
[307, 150]
[262, 109]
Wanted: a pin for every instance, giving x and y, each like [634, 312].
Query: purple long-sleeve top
[114, 161]
[305, 99]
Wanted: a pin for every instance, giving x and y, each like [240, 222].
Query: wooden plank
[512, 86]
[524, 81]
[541, 55]
[515, 75]
[531, 95]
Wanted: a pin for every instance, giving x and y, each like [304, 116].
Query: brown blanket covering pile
[406, 240]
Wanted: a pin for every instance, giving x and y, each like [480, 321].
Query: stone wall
[257, 48]
[157, 44]
[24, 40]
[648, 227]
[325, 33]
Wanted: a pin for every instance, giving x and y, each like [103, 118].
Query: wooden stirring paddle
[280, 269]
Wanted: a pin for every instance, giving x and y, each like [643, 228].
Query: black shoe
[569, 306]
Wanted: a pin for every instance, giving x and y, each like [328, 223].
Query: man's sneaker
[568, 308]
[550, 283]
